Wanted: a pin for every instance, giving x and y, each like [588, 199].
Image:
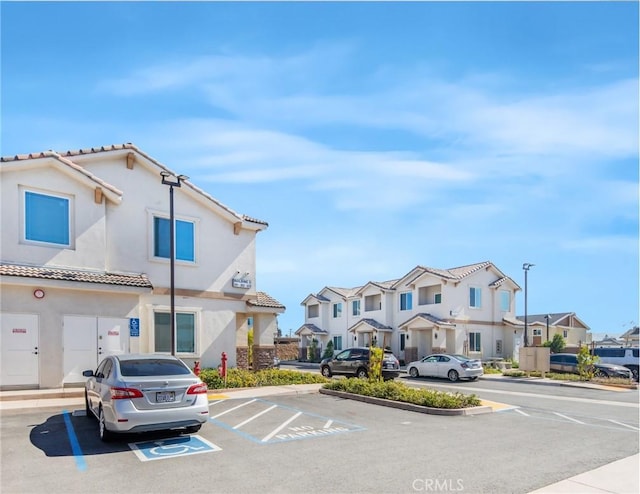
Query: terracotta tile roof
[311, 327]
[264, 300]
[428, 317]
[373, 323]
[62, 274]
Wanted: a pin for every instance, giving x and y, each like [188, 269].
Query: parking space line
[255, 416]
[328, 424]
[278, 429]
[521, 412]
[234, 408]
[569, 418]
[81, 464]
[624, 425]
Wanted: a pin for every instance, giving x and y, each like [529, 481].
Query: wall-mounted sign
[134, 326]
[241, 282]
[38, 293]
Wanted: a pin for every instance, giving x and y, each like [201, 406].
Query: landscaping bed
[399, 395]
[239, 378]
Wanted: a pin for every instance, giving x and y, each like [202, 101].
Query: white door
[19, 349]
[113, 336]
[79, 350]
[88, 339]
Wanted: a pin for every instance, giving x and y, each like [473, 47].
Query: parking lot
[319, 443]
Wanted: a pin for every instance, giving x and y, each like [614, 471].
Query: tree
[328, 352]
[557, 344]
[585, 363]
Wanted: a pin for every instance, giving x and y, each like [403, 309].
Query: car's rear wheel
[326, 371]
[362, 373]
[413, 372]
[453, 375]
[193, 429]
[104, 433]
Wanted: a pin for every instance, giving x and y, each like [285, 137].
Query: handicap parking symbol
[173, 447]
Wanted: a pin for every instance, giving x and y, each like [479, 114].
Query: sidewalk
[619, 477]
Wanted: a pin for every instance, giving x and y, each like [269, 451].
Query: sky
[372, 136]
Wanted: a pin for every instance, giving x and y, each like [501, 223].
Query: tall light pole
[547, 317]
[172, 250]
[526, 267]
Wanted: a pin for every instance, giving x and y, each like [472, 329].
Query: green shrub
[239, 378]
[513, 373]
[328, 352]
[396, 391]
[375, 363]
[490, 370]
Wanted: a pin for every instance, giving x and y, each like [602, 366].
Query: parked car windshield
[155, 367]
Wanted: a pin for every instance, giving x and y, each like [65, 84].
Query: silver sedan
[141, 393]
[452, 367]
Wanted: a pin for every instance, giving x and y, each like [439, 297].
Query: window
[337, 343]
[46, 218]
[403, 341]
[406, 301]
[313, 311]
[565, 333]
[372, 303]
[337, 310]
[355, 308]
[537, 332]
[437, 298]
[474, 297]
[474, 342]
[185, 332]
[184, 239]
[505, 301]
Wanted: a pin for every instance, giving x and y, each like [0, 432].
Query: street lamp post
[526, 266]
[172, 255]
[547, 318]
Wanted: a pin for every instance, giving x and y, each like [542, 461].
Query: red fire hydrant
[196, 368]
[223, 367]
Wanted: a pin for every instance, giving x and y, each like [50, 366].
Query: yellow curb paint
[496, 406]
[217, 397]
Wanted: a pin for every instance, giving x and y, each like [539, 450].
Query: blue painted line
[75, 445]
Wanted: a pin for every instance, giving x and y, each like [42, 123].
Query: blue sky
[372, 136]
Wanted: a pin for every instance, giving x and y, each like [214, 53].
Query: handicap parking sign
[172, 448]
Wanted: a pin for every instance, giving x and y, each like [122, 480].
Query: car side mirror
[87, 373]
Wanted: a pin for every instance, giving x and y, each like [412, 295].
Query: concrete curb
[408, 406]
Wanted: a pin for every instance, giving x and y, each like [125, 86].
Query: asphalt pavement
[619, 477]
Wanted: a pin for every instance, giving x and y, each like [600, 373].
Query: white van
[629, 357]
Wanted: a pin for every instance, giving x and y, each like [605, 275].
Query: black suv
[355, 362]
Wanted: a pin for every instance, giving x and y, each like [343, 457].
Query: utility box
[535, 358]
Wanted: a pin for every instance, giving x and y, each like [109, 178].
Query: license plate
[165, 396]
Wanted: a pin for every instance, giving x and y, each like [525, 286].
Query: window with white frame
[475, 344]
[337, 310]
[355, 308]
[184, 234]
[505, 300]
[406, 301]
[337, 343]
[185, 332]
[537, 332]
[475, 299]
[47, 218]
[565, 333]
[313, 311]
[437, 298]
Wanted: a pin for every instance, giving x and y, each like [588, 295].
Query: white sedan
[453, 367]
